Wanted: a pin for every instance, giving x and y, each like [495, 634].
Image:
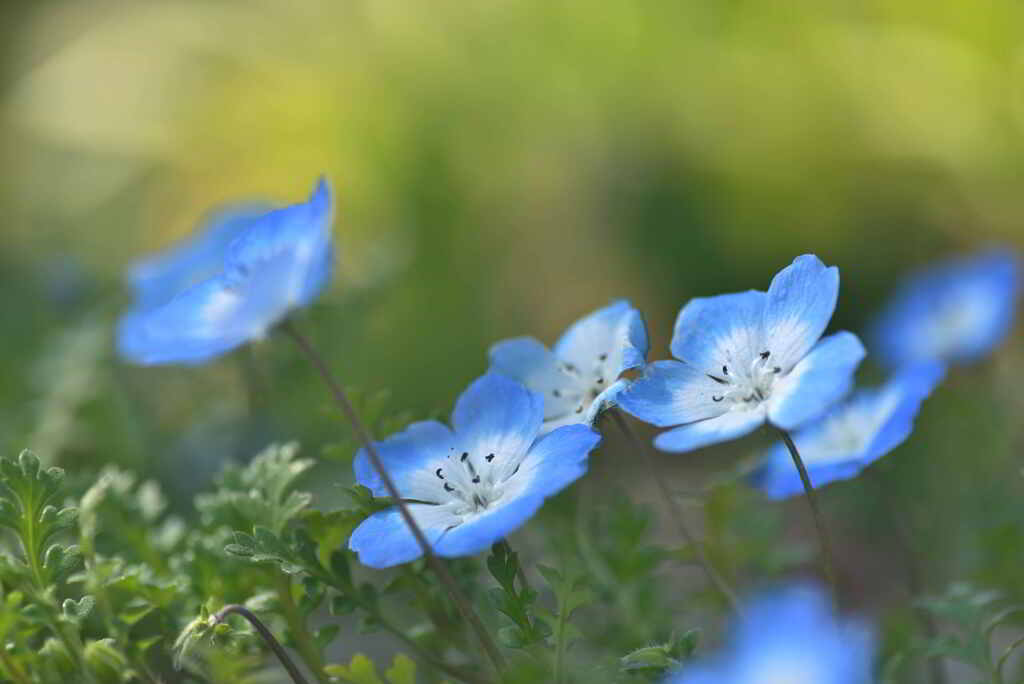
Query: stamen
[489, 458]
[777, 370]
[765, 354]
[579, 409]
[725, 370]
[476, 479]
[438, 473]
[448, 487]
[720, 381]
[600, 381]
[465, 455]
[602, 357]
[714, 398]
[556, 393]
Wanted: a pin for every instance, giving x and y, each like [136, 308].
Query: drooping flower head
[748, 357]
[580, 376]
[471, 485]
[241, 274]
[955, 311]
[851, 436]
[789, 637]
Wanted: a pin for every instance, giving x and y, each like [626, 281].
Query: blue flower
[580, 377]
[747, 358]
[470, 486]
[954, 311]
[851, 436]
[244, 272]
[789, 637]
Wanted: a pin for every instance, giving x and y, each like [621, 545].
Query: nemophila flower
[851, 436]
[954, 311]
[243, 273]
[747, 358]
[469, 486]
[789, 637]
[580, 376]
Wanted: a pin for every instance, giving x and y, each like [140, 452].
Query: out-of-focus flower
[244, 272]
[580, 376]
[954, 311]
[474, 484]
[748, 357]
[789, 637]
[851, 436]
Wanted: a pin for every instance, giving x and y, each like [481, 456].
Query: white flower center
[746, 388]
[474, 482]
[582, 385]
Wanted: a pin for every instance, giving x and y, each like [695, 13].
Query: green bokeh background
[502, 167]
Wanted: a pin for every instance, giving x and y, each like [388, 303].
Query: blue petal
[617, 331]
[278, 262]
[557, 459]
[497, 415]
[725, 330]
[157, 279]
[384, 540]
[298, 238]
[823, 377]
[801, 300]
[481, 532]
[534, 365]
[671, 393]
[777, 478]
[912, 386]
[957, 310]
[727, 426]
[408, 456]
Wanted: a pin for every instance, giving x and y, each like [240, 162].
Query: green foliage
[654, 662]
[361, 670]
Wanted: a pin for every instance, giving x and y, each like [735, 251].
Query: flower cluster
[524, 430]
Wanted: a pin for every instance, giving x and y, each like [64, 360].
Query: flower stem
[268, 637]
[297, 626]
[349, 412]
[827, 558]
[677, 515]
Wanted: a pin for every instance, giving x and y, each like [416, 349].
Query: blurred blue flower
[749, 357]
[789, 637]
[580, 377]
[851, 436]
[471, 486]
[953, 311]
[244, 272]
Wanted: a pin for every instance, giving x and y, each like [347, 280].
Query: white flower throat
[584, 386]
[475, 482]
[750, 388]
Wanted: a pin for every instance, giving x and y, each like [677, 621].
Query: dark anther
[714, 398]
[465, 455]
[765, 355]
[556, 393]
[717, 379]
[571, 368]
[438, 473]
[448, 487]
[725, 370]
[579, 409]
[777, 369]
[515, 471]
[602, 357]
[600, 381]
[490, 457]
[476, 480]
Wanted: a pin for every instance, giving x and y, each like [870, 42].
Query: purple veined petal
[822, 378]
[800, 303]
[725, 427]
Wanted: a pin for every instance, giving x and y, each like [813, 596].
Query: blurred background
[503, 167]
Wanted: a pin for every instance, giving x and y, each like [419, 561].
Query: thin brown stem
[268, 637]
[350, 414]
[827, 559]
[713, 575]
